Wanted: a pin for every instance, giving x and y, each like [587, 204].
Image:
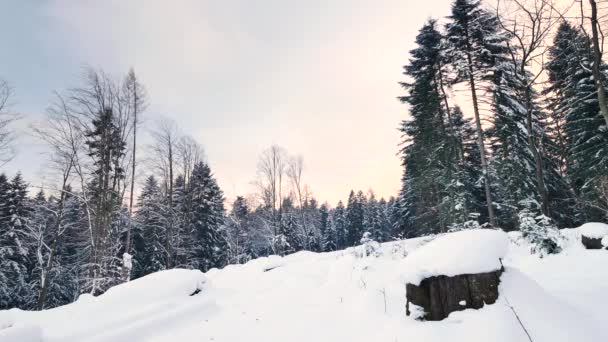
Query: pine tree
[538, 230]
[513, 160]
[106, 148]
[354, 218]
[207, 218]
[468, 188]
[426, 147]
[149, 231]
[14, 288]
[474, 43]
[578, 124]
[340, 225]
[238, 231]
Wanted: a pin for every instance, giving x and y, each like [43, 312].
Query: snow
[339, 296]
[605, 241]
[464, 252]
[594, 230]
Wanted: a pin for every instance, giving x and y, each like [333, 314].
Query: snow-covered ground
[338, 296]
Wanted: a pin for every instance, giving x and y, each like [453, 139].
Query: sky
[317, 77]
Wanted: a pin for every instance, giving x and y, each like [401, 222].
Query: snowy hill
[338, 296]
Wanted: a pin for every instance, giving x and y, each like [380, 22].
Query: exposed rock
[441, 295]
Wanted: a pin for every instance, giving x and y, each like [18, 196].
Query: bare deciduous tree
[7, 118]
[529, 23]
[134, 95]
[163, 157]
[271, 169]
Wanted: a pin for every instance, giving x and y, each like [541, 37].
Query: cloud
[317, 77]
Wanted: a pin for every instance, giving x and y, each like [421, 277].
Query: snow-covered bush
[470, 224]
[369, 246]
[540, 232]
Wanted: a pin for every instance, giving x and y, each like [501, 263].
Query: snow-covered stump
[439, 296]
[592, 234]
[454, 272]
[591, 243]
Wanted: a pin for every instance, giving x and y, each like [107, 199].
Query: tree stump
[441, 295]
[591, 243]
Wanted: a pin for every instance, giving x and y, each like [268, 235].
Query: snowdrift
[463, 252]
[338, 296]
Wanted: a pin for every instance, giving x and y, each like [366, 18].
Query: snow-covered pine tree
[292, 235]
[372, 219]
[538, 230]
[149, 231]
[330, 234]
[106, 147]
[340, 225]
[14, 288]
[237, 226]
[474, 41]
[65, 279]
[384, 221]
[209, 247]
[324, 227]
[513, 160]
[354, 218]
[426, 158]
[467, 185]
[575, 108]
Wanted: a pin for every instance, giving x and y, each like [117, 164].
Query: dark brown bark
[597, 60]
[591, 243]
[441, 295]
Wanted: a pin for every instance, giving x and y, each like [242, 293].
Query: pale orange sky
[317, 77]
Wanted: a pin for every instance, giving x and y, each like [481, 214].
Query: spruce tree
[575, 108]
[340, 225]
[149, 231]
[354, 218]
[425, 142]
[14, 288]
[207, 218]
[474, 43]
[513, 161]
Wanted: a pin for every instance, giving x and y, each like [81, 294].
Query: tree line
[92, 228]
[531, 153]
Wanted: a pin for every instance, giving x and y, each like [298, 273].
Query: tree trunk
[480, 142]
[127, 272]
[538, 158]
[597, 60]
[170, 228]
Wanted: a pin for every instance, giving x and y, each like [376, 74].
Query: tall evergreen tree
[354, 218]
[149, 231]
[206, 218]
[14, 288]
[578, 124]
[513, 160]
[425, 143]
[106, 148]
[475, 42]
[340, 225]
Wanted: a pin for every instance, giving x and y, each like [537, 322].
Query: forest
[528, 152]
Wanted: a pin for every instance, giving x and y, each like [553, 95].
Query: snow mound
[605, 241]
[156, 286]
[464, 252]
[126, 312]
[594, 230]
